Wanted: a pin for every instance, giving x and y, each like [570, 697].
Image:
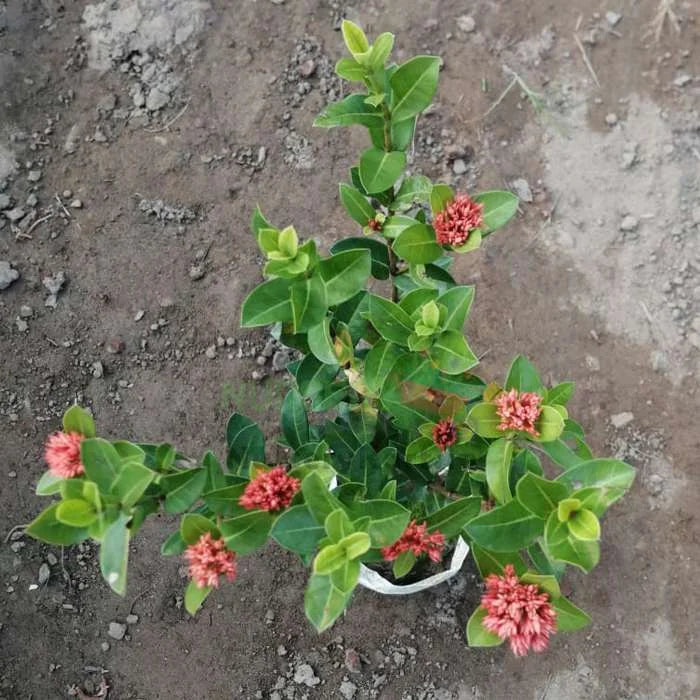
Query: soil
[143, 132]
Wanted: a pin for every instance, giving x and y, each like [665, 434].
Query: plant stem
[439, 488]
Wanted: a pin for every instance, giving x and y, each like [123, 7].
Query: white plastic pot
[375, 582]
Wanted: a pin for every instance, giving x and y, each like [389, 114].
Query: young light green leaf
[195, 596]
[350, 69]
[324, 602]
[477, 634]
[498, 461]
[47, 528]
[354, 109]
[354, 37]
[76, 512]
[78, 420]
[114, 554]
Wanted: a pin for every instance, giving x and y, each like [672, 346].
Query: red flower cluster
[518, 612]
[518, 410]
[454, 223]
[270, 491]
[375, 225]
[444, 434]
[416, 539]
[208, 560]
[62, 454]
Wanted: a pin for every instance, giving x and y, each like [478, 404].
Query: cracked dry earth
[135, 138]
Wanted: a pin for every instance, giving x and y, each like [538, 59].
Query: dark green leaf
[183, 489]
[378, 363]
[604, 473]
[458, 301]
[450, 519]
[114, 554]
[309, 303]
[297, 530]
[507, 528]
[416, 244]
[389, 319]
[345, 274]
[477, 634]
[194, 525]
[320, 501]
[498, 461]
[321, 342]
[267, 303]
[195, 596]
[494, 562]
[379, 169]
[101, 461]
[540, 496]
[47, 528]
[246, 444]
[569, 617]
[560, 394]
[388, 519]
[356, 204]
[413, 86]
[523, 376]
[377, 250]
[351, 110]
[132, 482]
[295, 424]
[245, 533]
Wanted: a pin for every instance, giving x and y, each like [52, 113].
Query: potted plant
[420, 455]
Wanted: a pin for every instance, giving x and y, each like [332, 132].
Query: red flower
[518, 612]
[62, 454]
[518, 410]
[444, 434]
[454, 223]
[416, 539]
[270, 491]
[375, 225]
[209, 559]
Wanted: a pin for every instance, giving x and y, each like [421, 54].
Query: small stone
[593, 363]
[629, 155]
[132, 619]
[32, 200]
[116, 630]
[22, 325]
[348, 690]
[34, 175]
[281, 650]
[613, 18]
[611, 119]
[256, 375]
[51, 559]
[352, 661]
[105, 646]
[522, 189]
[115, 346]
[76, 204]
[466, 24]
[139, 315]
[304, 675]
[619, 420]
[694, 339]
[25, 311]
[459, 167]
[696, 215]
[98, 370]
[210, 352]
[682, 80]
[14, 215]
[157, 99]
[7, 274]
[307, 68]
[197, 272]
[67, 194]
[655, 484]
[261, 360]
[107, 104]
[5, 201]
[44, 574]
[629, 223]
[280, 360]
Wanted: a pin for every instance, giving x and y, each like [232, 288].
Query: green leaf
[450, 519]
[458, 302]
[451, 354]
[268, 303]
[440, 197]
[523, 377]
[364, 469]
[394, 225]
[604, 473]
[297, 530]
[268, 239]
[415, 189]
[362, 419]
[416, 244]
[543, 563]
[338, 525]
[78, 420]
[295, 424]
[378, 363]
[350, 69]
[132, 482]
[550, 424]
[507, 528]
[195, 596]
[540, 496]
[499, 208]
[345, 274]
[49, 484]
[413, 86]
[114, 554]
[101, 461]
[76, 512]
[246, 443]
[584, 525]
[379, 169]
[560, 394]
[569, 617]
[352, 110]
[354, 37]
[560, 453]
[545, 582]
[380, 50]
[498, 461]
[389, 319]
[403, 564]
[324, 602]
[194, 525]
[597, 499]
[421, 451]
[388, 519]
[377, 251]
[355, 544]
[330, 558]
[186, 488]
[259, 222]
[321, 343]
[245, 533]
[47, 528]
[309, 304]
[477, 634]
[356, 204]
[495, 562]
[483, 419]
[561, 546]
[320, 501]
[173, 545]
[313, 375]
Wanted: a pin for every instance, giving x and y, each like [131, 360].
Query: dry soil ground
[167, 120]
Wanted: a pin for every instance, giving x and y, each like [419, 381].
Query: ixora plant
[421, 456]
